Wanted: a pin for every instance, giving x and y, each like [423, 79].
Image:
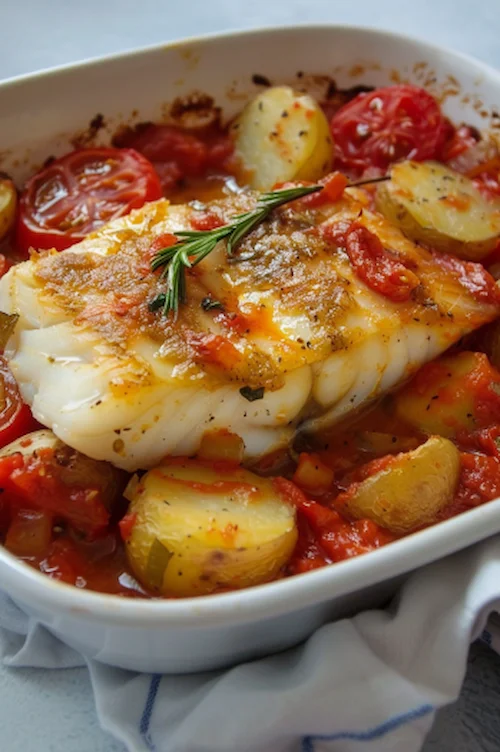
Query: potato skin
[441, 208]
[283, 135]
[31, 442]
[411, 491]
[198, 529]
[444, 396]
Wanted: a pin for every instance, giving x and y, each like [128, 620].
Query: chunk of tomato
[15, 417]
[34, 482]
[78, 193]
[378, 128]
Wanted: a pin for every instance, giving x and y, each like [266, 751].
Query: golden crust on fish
[122, 383]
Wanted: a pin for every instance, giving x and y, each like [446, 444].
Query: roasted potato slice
[31, 442]
[411, 491]
[197, 529]
[8, 204]
[283, 135]
[440, 207]
[455, 393]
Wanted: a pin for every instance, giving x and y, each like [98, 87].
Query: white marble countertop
[52, 711]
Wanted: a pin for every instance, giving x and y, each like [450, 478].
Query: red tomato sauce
[69, 533]
[326, 535]
[102, 566]
[479, 483]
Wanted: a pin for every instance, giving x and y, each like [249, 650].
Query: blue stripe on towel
[370, 734]
[148, 711]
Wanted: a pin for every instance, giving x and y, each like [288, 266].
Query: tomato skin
[22, 423]
[376, 267]
[162, 241]
[308, 554]
[206, 220]
[486, 177]
[214, 349]
[16, 418]
[290, 492]
[479, 483]
[63, 562]
[472, 276]
[488, 184]
[482, 441]
[333, 184]
[324, 535]
[177, 153]
[126, 525]
[80, 192]
[167, 143]
[387, 125]
[33, 482]
[352, 479]
[461, 139]
[354, 538]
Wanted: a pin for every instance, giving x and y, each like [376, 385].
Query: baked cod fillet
[286, 335]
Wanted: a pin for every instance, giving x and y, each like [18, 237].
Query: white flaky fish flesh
[284, 335]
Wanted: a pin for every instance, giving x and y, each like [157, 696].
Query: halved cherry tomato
[177, 153]
[384, 126]
[15, 417]
[166, 143]
[79, 193]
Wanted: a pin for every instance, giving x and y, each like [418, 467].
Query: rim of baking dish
[289, 594]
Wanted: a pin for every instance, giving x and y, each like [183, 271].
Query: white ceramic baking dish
[39, 115]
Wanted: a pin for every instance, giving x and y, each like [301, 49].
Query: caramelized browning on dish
[332, 349]
[296, 317]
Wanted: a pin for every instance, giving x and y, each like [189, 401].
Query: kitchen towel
[370, 683]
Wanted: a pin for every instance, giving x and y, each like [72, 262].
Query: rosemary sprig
[193, 246]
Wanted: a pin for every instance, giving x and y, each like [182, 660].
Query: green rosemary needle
[193, 246]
